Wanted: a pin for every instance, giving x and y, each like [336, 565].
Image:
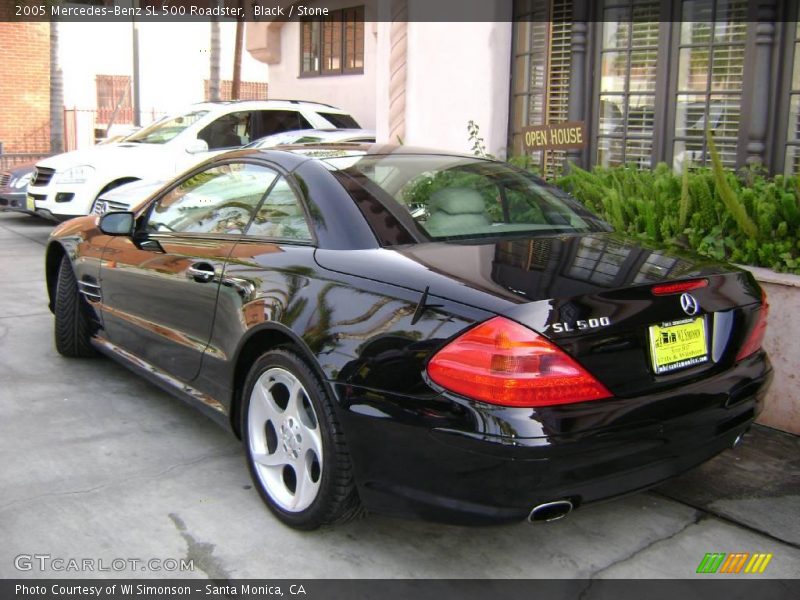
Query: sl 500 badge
[581, 324]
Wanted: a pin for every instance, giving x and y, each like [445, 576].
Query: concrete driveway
[98, 464]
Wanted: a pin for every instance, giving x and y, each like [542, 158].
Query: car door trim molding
[159, 330]
[173, 384]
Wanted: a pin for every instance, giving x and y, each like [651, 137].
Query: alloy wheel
[284, 440]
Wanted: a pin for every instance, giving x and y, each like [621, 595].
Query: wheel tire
[73, 324]
[296, 451]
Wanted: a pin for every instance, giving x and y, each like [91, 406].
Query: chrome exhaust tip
[550, 511]
[738, 441]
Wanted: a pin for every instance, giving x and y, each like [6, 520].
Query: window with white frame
[628, 73]
[711, 56]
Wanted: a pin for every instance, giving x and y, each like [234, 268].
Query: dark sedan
[416, 333]
[14, 188]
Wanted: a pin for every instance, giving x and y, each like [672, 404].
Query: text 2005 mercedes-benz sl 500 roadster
[416, 333]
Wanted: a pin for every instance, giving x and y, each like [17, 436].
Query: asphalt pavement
[100, 466]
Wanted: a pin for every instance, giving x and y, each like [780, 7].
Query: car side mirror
[197, 146]
[117, 223]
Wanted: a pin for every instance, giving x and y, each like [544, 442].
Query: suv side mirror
[197, 146]
[117, 223]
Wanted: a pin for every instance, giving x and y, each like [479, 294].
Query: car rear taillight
[755, 339]
[665, 289]
[502, 362]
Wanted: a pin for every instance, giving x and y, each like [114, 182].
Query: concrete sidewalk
[99, 464]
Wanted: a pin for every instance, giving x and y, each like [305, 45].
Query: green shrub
[750, 218]
[729, 197]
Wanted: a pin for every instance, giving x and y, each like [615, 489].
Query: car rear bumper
[406, 467]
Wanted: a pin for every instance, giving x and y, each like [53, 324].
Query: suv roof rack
[291, 101]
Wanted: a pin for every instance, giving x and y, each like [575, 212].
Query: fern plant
[725, 192]
[751, 220]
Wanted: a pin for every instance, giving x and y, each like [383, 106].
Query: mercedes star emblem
[689, 304]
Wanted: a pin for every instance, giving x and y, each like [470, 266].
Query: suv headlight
[77, 174]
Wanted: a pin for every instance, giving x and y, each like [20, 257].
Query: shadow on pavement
[756, 485]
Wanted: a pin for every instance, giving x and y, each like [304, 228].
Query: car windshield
[164, 130]
[451, 198]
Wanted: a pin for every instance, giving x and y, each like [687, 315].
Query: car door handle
[201, 272]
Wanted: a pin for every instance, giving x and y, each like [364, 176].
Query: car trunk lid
[593, 295]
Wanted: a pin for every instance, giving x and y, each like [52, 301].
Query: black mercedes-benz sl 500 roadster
[416, 333]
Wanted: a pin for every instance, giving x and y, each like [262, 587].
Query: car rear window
[340, 121]
[456, 198]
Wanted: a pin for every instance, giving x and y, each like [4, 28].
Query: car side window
[267, 122]
[221, 199]
[228, 131]
[281, 215]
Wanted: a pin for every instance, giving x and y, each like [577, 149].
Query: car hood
[132, 195]
[591, 294]
[98, 156]
[18, 171]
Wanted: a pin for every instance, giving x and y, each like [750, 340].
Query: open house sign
[555, 136]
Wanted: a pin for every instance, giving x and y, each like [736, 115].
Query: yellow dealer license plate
[29, 203]
[678, 344]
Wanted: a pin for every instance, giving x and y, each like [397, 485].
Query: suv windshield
[164, 130]
[449, 197]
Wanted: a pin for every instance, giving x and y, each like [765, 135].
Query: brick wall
[25, 87]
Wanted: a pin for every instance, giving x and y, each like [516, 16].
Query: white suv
[67, 185]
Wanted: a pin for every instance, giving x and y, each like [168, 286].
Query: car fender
[246, 353]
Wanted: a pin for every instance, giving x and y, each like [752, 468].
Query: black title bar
[701, 588]
[383, 10]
